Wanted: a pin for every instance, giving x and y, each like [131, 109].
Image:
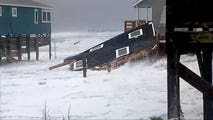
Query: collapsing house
[140, 38]
[155, 11]
[25, 26]
[130, 45]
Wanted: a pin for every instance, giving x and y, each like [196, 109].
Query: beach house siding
[24, 22]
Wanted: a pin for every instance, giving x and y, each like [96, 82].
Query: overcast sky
[92, 15]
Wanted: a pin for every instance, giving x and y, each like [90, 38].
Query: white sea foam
[133, 91]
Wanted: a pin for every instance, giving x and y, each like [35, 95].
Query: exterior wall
[23, 23]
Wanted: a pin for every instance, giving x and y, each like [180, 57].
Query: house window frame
[45, 16]
[1, 11]
[135, 36]
[75, 65]
[14, 12]
[96, 47]
[117, 51]
[36, 16]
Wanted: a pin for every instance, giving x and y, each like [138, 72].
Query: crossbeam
[196, 81]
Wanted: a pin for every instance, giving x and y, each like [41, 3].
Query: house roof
[141, 3]
[24, 3]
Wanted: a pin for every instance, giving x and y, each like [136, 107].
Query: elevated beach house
[155, 11]
[25, 25]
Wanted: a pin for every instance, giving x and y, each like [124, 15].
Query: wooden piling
[84, 68]
[37, 47]
[173, 85]
[207, 75]
[0, 59]
[28, 46]
[19, 47]
[1, 48]
[49, 39]
[8, 47]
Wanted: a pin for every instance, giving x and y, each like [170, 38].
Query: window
[0, 11]
[36, 16]
[14, 12]
[122, 51]
[135, 34]
[96, 47]
[46, 16]
[78, 65]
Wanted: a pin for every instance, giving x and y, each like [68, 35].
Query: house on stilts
[151, 10]
[25, 26]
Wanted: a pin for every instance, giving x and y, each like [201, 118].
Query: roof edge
[136, 3]
[26, 6]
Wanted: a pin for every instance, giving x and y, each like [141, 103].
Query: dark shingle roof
[24, 3]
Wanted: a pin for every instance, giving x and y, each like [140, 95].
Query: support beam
[37, 48]
[1, 48]
[173, 84]
[203, 84]
[28, 46]
[19, 44]
[196, 81]
[84, 68]
[207, 75]
[0, 58]
[8, 47]
[50, 47]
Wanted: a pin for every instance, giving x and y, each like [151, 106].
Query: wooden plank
[61, 64]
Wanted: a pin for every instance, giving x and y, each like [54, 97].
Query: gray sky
[90, 15]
